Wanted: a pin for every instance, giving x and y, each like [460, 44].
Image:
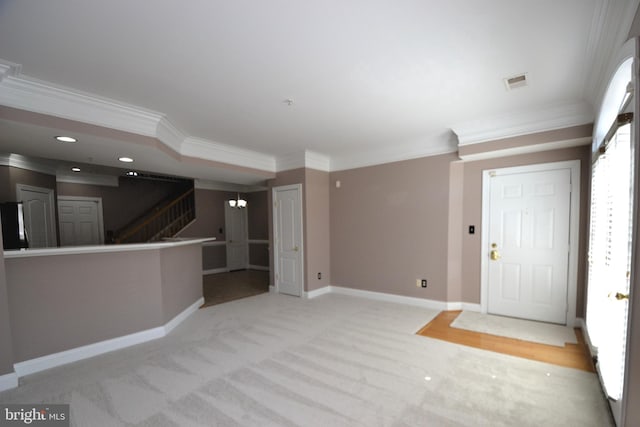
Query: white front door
[39, 216]
[529, 224]
[80, 221]
[287, 226]
[236, 237]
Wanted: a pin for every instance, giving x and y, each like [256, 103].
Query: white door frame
[52, 208]
[97, 200]
[574, 225]
[276, 259]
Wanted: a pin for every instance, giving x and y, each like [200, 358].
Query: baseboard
[8, 381]
[258, 267]
[381, 296]
[171, 325]
[317, 292]
[582, 324]
[49, 361]
[401, 299]
[215, 271]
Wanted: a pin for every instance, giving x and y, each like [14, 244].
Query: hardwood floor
[225, 287]
[571, 355]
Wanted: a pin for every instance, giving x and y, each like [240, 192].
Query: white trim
[97, 200]
[22, 162]
[203, 184]
[215, 271]
[170, 135]
[317, 292]
[574, 236]
[182, 316]
[45, 97]
[87, 179]
[215, 243]
[49, 361]
[258, 267]
[523, 123]
[258, 241]
[210, 150]
[555, 145]
[303, 159]
[399, 299]
[8, 381]
[98, 249]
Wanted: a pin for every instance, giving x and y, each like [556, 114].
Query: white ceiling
[370, 80]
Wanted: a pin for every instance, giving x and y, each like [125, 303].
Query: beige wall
[389, 227]
[61, 302]
[317, 229]
[209, 220]
[181, 279]
[472, 214]
[6, 346]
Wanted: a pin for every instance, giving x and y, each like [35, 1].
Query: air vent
[516, 82]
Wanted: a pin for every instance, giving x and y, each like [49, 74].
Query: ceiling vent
[516, 81]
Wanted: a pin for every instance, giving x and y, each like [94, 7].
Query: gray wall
[6, 346]
[317, 229]
[181, 272]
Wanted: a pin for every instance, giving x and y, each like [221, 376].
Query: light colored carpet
[273, 360]
[526, 330]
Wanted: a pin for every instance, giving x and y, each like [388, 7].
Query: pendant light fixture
[238, 202]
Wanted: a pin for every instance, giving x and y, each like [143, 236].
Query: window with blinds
[610, 257]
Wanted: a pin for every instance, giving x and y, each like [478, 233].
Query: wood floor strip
[571, 355]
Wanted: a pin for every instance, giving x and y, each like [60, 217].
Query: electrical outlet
[418, 283]
[423, 283]
[319, 276]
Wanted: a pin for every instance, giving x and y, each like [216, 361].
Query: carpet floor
[335, 360]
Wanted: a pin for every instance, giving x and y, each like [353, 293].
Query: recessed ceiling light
[132, 173]
[65, 139]
[125, 159]
[75, 169]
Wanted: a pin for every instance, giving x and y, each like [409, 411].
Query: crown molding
[8, 69]
[527, 149]
[209, 150]
[523, 123]
[100, 180]
[22, 162]
[303, 159]
[170, 135]
[38, 96]
[201, 184]
[45, 98]
[440, 145]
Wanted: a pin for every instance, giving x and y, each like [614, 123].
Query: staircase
[163, 220]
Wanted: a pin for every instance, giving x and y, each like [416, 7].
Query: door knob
[619, 296]
[495, 255]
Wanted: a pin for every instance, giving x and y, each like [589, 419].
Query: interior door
[288, 239]
[236, 237]
[38, 215]
[529, 245]
[80, 221]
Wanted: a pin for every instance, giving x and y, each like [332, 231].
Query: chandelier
[238, 202]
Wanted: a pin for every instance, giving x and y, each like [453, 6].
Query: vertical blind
[610, 257]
